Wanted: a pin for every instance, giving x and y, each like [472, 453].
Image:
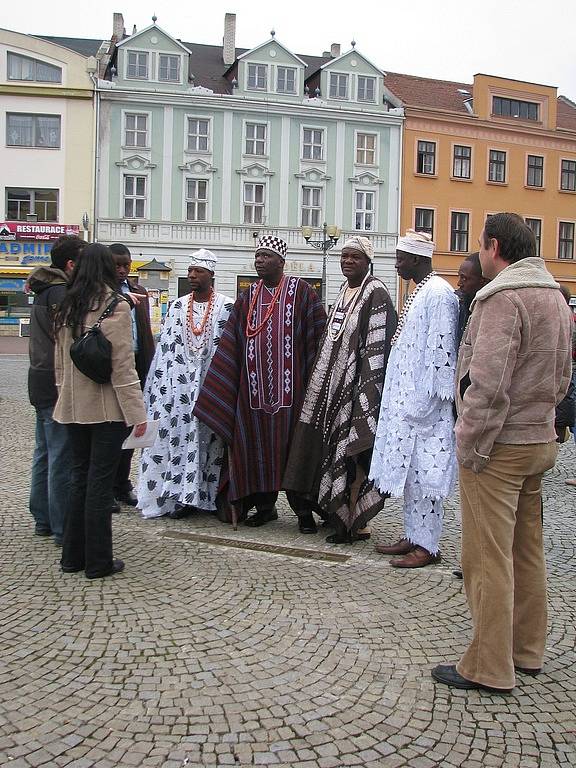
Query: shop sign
[12, 285]
[34, 230]
[24, 254]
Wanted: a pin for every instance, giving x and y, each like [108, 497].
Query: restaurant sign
[34, 230]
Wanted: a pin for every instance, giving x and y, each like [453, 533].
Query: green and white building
[211, 146]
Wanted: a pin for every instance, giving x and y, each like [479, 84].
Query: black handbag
[92, 352]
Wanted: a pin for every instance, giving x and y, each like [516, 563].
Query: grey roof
[82, 45]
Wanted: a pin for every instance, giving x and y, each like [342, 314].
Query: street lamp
[330, 235]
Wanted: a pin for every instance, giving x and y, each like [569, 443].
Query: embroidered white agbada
[414, 452]
[183, 467]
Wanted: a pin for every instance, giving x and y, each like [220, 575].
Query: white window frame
[375, 81]
[127, 65]
[170, 56]
[125, 114]
[34, 116]
[358, 149]
[322, 144]
[266, 76]
[189, 117]
[339, 75]
[308, 208]
[363, 211]
[198, 200]
[266, 126]
[253, 205]
[277, 74]
[124, 196]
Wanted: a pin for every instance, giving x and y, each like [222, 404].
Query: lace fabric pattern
[415, 426]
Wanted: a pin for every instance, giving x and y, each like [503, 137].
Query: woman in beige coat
[97, 415]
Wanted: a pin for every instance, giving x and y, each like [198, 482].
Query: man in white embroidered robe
[414, 451]
[181, 471]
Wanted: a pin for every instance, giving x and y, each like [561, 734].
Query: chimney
[335, 50]
[229, 42]
[118, 30]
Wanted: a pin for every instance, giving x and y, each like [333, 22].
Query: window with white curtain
[25, 130]
[26, 68]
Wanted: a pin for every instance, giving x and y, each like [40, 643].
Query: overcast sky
[532, 40]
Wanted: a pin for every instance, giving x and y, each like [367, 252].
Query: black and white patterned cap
[273, 243]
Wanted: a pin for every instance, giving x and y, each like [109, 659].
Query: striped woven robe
[255, 387]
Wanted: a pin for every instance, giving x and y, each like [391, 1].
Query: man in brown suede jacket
[514, 366]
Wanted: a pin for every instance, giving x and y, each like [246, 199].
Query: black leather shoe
[71, 569]
[527, 671]
[458, 573]
[307, 524]
[129, 498]
[39, 531]
[116, 507]
[261, 518]
[448, 675]
[117, 567]
[180, 512]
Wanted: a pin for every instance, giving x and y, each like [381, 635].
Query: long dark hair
[93, 276]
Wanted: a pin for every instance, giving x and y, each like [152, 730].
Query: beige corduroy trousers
[503, 562]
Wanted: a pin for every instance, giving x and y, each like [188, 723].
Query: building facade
[210, 146]
[46, 156]
[495, 145]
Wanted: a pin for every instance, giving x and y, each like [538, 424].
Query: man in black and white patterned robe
[181, 471]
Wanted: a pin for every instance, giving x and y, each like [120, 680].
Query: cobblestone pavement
[207, 655]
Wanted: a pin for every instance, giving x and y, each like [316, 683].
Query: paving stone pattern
[207, 655]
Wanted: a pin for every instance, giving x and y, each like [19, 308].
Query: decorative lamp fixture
[85, 222]
[316, 92]
[330, 236]
[234, 83]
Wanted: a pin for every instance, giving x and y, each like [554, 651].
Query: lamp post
[330, 235]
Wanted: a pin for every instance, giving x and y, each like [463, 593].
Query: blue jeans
[50, 484]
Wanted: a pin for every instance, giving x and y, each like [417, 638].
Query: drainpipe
[96, 156]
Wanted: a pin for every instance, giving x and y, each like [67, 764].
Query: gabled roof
[347, 53]
[81, 45]
[159, 29]
[279, 44]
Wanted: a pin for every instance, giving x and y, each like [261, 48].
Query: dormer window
[257, 77]
[27, 69]
[169, 68]
[338, 86]
[137, 65]
[286, 80]
[366, 88]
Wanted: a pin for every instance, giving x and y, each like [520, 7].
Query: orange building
[496, 145]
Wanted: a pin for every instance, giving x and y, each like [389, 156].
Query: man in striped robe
[255, 386]
[332, 445]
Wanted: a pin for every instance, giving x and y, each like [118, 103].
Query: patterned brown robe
[333, 440]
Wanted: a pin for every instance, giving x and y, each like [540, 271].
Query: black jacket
[49, 286]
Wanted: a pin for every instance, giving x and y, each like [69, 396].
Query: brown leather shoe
[417, 558]
[401, 547]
